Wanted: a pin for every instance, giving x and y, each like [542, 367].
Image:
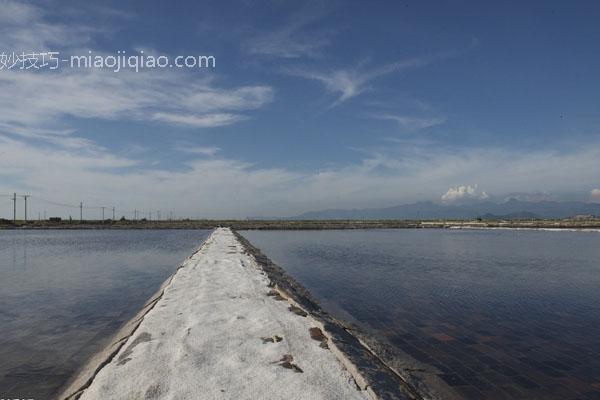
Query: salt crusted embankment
[218, 331]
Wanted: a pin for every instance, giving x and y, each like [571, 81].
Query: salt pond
[491, 314]
[63, 293]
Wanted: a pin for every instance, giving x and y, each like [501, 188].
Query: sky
[309, 105]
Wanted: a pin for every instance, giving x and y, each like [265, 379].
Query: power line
[55, 203]
[135, 213]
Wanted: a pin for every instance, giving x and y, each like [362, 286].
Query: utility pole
[81, 211]
[158, 215]
[25, 196]
[103, 213]
[113, 213]
[14, 207]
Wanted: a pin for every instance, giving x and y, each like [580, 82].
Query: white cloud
[19, 157]
[243, 98]
[24, 28]
[346, 84]
[294, 39]
[37, 100]
[412, 123]
[15, 13]
[204, 151]
[199, 121]
[220, 187]
[40, 155]
[595, 195]
[463, 192]
[349, 83]
[47, 97]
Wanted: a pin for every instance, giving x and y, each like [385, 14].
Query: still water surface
[497, 314]
[63, 293]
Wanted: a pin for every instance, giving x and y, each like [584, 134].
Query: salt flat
[216, 333]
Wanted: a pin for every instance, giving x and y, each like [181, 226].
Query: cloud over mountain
[463, 192]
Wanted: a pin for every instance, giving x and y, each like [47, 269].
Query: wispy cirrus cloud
[199, 150]
[58, 137]
[41, 101]
[17, 12]
[295, 38]
[150, 95]
[22, 158]
[348, 83]
[412, 123]
[242, 98]
[198, 121]
[24, 27]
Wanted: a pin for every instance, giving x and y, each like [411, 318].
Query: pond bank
[225, 327]
[558, 224]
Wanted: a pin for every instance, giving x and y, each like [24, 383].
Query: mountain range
[511, 209]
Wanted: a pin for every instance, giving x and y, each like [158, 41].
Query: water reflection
[63, 293]
[496, 314]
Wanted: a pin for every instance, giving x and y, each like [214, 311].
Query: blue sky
[311, 105]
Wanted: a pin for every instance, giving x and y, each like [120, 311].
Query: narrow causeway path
[220, 332]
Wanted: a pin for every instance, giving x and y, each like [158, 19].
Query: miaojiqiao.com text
[52, 60]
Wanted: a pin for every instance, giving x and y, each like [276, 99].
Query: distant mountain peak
[510, 209]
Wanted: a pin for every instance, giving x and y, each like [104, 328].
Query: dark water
[63, 293]
[498, 314]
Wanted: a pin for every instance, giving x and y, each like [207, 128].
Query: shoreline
[373, 372]
[549, 224]
[83, 377]
[321, 377]
[381, 364]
